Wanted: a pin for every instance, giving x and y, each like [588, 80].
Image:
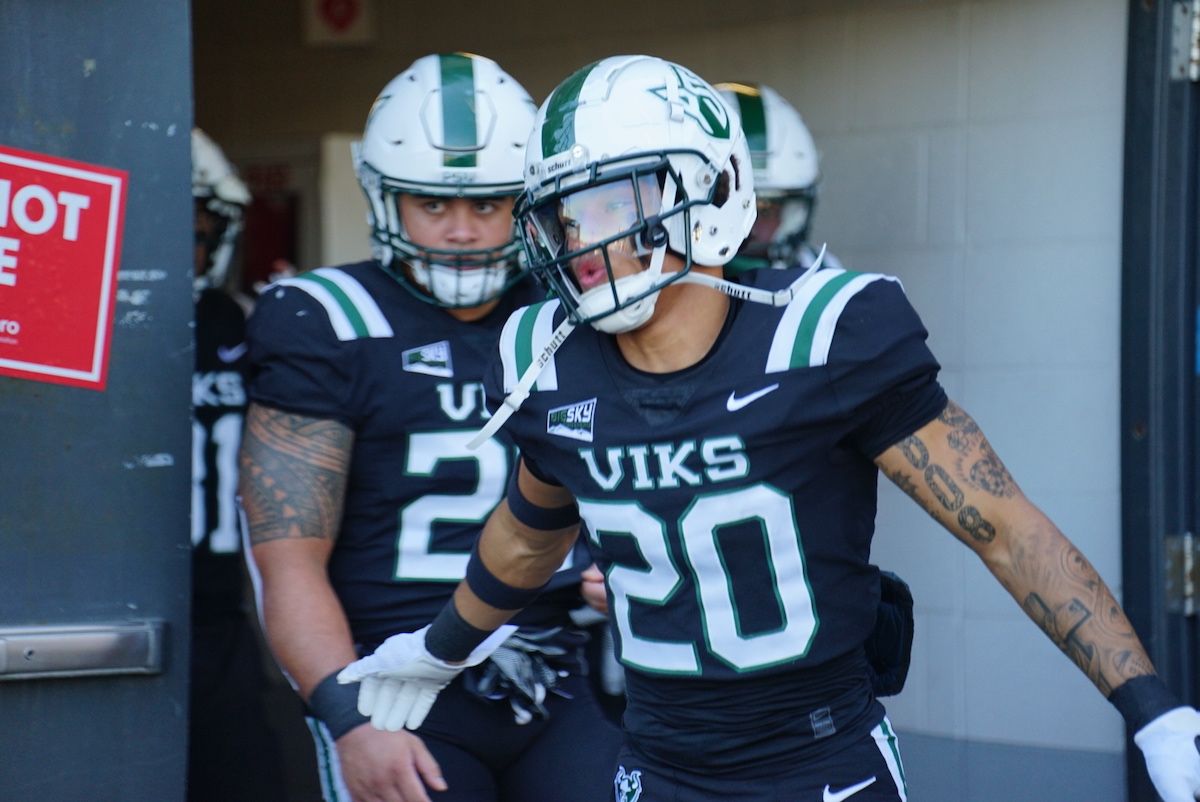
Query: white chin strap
[514, 400]
[780, 297]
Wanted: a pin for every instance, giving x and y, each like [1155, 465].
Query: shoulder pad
[525, 334]
[805, 331]
[352, 311]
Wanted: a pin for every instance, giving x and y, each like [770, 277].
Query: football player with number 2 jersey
[721, 444]
[363, 499]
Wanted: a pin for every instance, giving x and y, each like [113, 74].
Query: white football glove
[1172, 756]
[401, 680]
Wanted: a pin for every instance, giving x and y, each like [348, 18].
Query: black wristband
[336, 705]
[492, 590]
[1143, 699]
[451, 638]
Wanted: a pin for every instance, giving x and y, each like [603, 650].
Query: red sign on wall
[60, 246]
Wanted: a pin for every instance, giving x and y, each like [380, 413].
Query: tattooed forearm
[1083, 620]
[949, 469]
[293, 475]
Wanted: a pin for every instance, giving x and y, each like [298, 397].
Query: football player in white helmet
[228, 682]
[787, 173]
[221, 198]
[364, 503]
[422, 142]
[723, 449]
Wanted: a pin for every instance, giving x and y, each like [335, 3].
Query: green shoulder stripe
[525, 334]
[806, 328]
[351, 310]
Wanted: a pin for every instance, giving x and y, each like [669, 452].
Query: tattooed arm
[949, 468]
[292, 482]
[293, 485]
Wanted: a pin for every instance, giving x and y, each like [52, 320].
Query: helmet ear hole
[732, 176]
[721, 190]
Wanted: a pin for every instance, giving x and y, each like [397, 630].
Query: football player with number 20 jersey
[721, 443]
[363, 499]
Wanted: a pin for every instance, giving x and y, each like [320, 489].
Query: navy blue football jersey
[218, 412]
[732, 504]
[351, 344]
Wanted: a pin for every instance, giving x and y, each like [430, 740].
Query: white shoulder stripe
[779, 358]
[823, 338]
[351, 310]
[522, 339]
[372, 315]
[543, 330]
[337, 318]
[808, 324]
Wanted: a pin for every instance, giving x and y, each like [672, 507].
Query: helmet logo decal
[558, 130]
[699, 103]
[458, 110]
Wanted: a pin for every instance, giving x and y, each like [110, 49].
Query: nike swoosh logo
[837, 796]
[733, 403]
[229, 355]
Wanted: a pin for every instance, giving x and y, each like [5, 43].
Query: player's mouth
[590, 271]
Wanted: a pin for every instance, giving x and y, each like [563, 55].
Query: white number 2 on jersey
[416, 558]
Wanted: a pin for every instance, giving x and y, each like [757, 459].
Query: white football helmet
[217, 190]
[452, 125]
[786, 174]
[660, 160]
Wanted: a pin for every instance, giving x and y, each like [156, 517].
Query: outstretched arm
[948, 467]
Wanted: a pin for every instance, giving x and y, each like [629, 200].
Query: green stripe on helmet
[458, 110]
[802, 348]
[558, 130]
[343, 300]
[754, 125]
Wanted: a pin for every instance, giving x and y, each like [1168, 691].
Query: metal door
[1160, 418]
[94, 484]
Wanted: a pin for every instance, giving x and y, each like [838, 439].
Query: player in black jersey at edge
[363, 499]
[232, 752]
[722, 443]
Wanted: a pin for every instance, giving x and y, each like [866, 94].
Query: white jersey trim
[358, 303]
[538, 336]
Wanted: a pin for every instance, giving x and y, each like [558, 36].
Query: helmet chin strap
[780, 297]
[512, 401]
